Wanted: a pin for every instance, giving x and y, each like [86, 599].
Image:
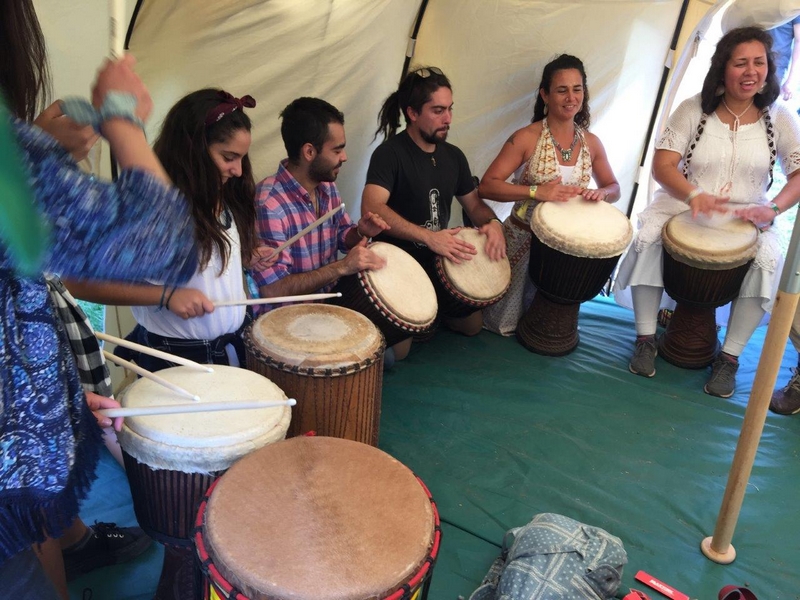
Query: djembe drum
[171, 460]
[330, 359]
[316, 518]
[704, 266]
[472, 284]
[575, 247]
[399, 298]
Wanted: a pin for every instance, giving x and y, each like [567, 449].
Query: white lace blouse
[712, 165]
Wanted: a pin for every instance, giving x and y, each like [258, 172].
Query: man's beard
[437, 137]
[319, 174]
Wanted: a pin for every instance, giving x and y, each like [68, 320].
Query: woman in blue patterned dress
[49, 439]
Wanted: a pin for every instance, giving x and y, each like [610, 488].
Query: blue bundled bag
[555, 558]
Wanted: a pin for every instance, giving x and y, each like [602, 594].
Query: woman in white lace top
[719, 149]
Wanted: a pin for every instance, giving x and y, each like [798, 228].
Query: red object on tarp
[660, 586]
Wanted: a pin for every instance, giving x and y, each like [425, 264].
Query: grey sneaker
[722, 382]
[787, 400]
[643, 361]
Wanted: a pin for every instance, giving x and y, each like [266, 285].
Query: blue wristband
[117, 105]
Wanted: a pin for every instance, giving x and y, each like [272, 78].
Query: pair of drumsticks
[169, 409]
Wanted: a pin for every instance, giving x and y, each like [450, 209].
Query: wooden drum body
[575, 247]
[330, 359]
[316, 518]
[473, 284]
[171, 460]
[704, 266]
[399, 298]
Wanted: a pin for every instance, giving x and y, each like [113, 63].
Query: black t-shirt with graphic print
[421, 185]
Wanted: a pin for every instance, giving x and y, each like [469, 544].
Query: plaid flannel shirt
[89, 359]
[283, 208]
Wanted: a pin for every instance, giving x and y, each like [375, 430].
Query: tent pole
[661, 88]
[412, 40]
[718, 548]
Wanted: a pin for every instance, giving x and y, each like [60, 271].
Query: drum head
[481, 278]
[582, 228]
[317, 518]
[316, 335]
[714, 243]
[204, 441]
[402, 286]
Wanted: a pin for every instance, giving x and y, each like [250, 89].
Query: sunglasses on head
[425, 72]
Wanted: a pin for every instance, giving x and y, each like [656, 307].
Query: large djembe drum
[473, 284]
[705, 263]
[575, 247]
[171, 460]
[316, 518]
[399, 298]
[330, 359]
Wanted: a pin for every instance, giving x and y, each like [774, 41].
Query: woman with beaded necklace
[719, 147]
[558, 157]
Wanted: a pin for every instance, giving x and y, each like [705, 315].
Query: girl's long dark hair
[722, 54]
[24, 76]
[182, 147]
[560, 63]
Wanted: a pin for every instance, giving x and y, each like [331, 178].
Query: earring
[720, 90]
[762, 88]
[545, 108]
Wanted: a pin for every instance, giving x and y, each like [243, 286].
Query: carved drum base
[549, 328]
[690, 340]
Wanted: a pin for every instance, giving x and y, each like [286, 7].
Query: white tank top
[227, 286]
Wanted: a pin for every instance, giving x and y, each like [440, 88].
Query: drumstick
[153, 352]
[148, 375]
[177, 409]
[277, 299]
[116, 28]
[305, 230]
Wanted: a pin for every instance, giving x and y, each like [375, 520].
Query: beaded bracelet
[693, 194]
[163, 293]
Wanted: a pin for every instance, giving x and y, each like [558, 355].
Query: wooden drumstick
[179, 409]
[305, 230]
[276, 300]
[153, 352]
[148, 375]
[116, 28]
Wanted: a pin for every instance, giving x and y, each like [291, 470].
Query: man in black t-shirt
[414, 175]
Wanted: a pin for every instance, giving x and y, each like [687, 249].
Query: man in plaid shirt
[300, 192]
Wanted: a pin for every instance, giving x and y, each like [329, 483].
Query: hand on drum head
[555, 191]
[371, 224]
[760, 216]
[118, 76]
[445, 243]
[189, 302]
[263, 258]
[96, 402]
[361, 258]
[495, 239]
[708, 204]
[594, 195]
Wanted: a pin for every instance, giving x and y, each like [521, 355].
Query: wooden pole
[718, 547]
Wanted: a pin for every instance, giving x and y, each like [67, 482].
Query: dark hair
[415, 90]
[561, 63]
[305, 121]
[716, 72]
[182, 147]
[24, 76]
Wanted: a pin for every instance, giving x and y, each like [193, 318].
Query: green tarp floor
[499, 434]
